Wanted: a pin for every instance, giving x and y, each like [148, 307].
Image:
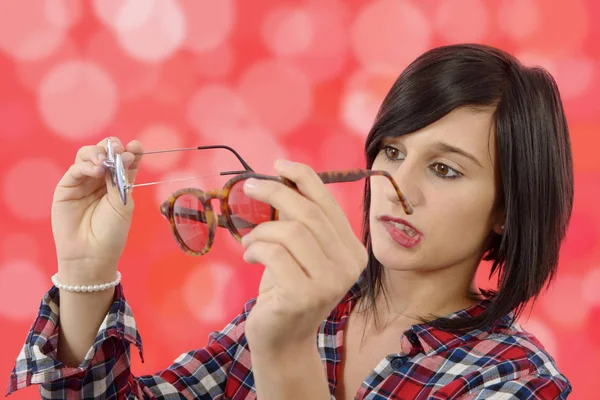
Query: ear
[498, 225]
[499, 228]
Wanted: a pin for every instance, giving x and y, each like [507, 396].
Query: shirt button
[397, 363]
[412, 337]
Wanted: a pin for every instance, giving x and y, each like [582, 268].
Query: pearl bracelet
[85, 288]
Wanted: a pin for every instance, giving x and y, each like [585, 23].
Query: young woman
[479, 146]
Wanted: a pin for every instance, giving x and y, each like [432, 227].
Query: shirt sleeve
[530, 387]
[105, 371]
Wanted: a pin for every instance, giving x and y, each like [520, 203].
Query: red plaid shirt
[501, 362]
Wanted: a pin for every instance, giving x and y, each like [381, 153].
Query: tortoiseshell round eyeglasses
[190, 213]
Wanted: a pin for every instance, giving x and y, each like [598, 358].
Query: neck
[410, 295]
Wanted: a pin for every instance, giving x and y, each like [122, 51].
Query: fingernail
[245, 241]
[101, 157]
[252, 183]
[282, 164]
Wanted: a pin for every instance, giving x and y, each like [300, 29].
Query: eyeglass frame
[225, 219]
[114, 164]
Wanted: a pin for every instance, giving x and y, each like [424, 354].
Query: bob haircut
[534, 165]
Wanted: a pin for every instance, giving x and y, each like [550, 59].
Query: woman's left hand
[312, 258]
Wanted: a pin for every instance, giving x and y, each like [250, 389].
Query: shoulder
[500, 359]
[519, 345]
[512, 360]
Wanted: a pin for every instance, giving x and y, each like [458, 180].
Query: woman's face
[446, 170]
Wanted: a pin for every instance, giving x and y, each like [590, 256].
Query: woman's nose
[407, 179]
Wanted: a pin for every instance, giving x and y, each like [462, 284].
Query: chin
[397, 258]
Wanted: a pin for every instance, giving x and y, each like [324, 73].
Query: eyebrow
[448, 148]
[444, 147]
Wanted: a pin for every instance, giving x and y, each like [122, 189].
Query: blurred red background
[300, 79]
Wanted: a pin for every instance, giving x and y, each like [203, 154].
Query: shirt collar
[435, 340]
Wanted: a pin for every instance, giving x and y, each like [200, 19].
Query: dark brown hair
[533, 159]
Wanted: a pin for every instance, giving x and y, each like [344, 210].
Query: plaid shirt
[498, 363]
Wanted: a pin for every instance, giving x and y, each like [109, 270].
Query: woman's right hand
[90, 224]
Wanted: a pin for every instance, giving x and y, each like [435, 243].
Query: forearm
[80, 316]
[294, 373]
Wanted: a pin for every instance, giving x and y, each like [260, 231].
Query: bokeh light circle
[77, 98]
[151, 31]
[590, 286]
[220, 277]
[288, 31]
[471, 24]
[28, 188]
[564, 302]
[31, 30]
[219, 113]
[362, 98]
[279, 94]
[209, 23]
[161, 137]
[389, 34]
[21, 280]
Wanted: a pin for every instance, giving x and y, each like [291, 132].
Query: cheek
[463, 218]
[377, 188]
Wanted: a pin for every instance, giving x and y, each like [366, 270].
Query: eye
[444, 171]
[392, 153]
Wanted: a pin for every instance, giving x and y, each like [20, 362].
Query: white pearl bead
[85, 288]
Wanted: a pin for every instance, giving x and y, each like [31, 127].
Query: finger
[88, 152]
[297, 239]
[133, 148]
[81, 171]
[312, 187]
[297, 207]
[115, 141]
[130, 154]
[96, 154]
[284, 269]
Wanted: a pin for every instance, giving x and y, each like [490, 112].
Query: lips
[401, 231]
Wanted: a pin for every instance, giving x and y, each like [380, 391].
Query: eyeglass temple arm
[235, 153]
[354, 175]
[200, 216]
[246, 166]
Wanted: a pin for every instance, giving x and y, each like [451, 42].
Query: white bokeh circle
[590, 287]
[219, 113]
[161, 136]
[28, 188]
[209, 23]
[220, 277]
[151, 31]
[24, 281]
[389, 34]
[287, 30]
[77, 98]
[278, 93]
[470, 24]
